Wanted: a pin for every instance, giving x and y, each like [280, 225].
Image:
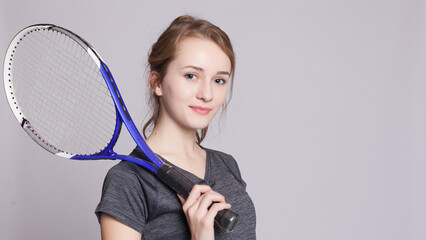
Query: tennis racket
[65, 98]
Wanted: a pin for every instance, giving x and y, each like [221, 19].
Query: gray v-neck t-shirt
[134, 196]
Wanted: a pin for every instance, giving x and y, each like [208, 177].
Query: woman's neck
[165, 140]
[179, 147]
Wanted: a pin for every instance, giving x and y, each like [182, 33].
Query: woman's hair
[164, 50]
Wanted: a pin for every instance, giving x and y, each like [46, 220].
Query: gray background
[327, 120]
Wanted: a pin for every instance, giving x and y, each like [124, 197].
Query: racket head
[57, 93]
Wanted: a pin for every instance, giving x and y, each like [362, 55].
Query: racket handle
[225, 219]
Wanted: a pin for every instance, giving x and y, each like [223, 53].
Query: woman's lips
[201, 110]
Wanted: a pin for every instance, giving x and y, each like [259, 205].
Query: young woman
[191, 70]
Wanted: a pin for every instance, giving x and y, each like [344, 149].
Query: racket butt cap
[227, 220]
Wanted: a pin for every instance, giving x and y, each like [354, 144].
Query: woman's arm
[112, 229]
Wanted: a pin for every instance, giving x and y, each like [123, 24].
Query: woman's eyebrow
[202, 70]
[224, 73]
[194, 67]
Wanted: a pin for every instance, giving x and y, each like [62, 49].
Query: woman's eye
[220, 81]
[190, 76]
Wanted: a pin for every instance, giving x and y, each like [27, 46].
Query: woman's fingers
[194, 196]
[215, 208]
[182, 200]
[200, 208]
[209, 198]
[201, 199]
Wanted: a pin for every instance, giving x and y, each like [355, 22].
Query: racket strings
[62, 93]
[72, 124]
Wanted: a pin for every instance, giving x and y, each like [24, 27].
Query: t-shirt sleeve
[236, 170]
[232, 164]
[123, 198]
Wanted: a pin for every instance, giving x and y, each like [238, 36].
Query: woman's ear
[154, 82]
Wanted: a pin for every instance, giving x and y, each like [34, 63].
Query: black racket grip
[225, 219]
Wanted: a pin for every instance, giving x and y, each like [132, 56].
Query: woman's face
[195, 85]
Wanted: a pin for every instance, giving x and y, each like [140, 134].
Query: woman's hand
[199, 214]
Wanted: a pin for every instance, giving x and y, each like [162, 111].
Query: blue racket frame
[123, 116]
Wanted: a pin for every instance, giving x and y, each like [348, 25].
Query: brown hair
[163, 52]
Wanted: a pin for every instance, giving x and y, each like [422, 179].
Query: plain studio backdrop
[327, 119]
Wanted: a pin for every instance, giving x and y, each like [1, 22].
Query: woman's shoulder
[129, 169]
[125, 167]
[224, 156]
[128, 195]
[228, 160]
[129, 172]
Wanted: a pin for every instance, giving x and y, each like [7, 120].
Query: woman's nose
[205, 91]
